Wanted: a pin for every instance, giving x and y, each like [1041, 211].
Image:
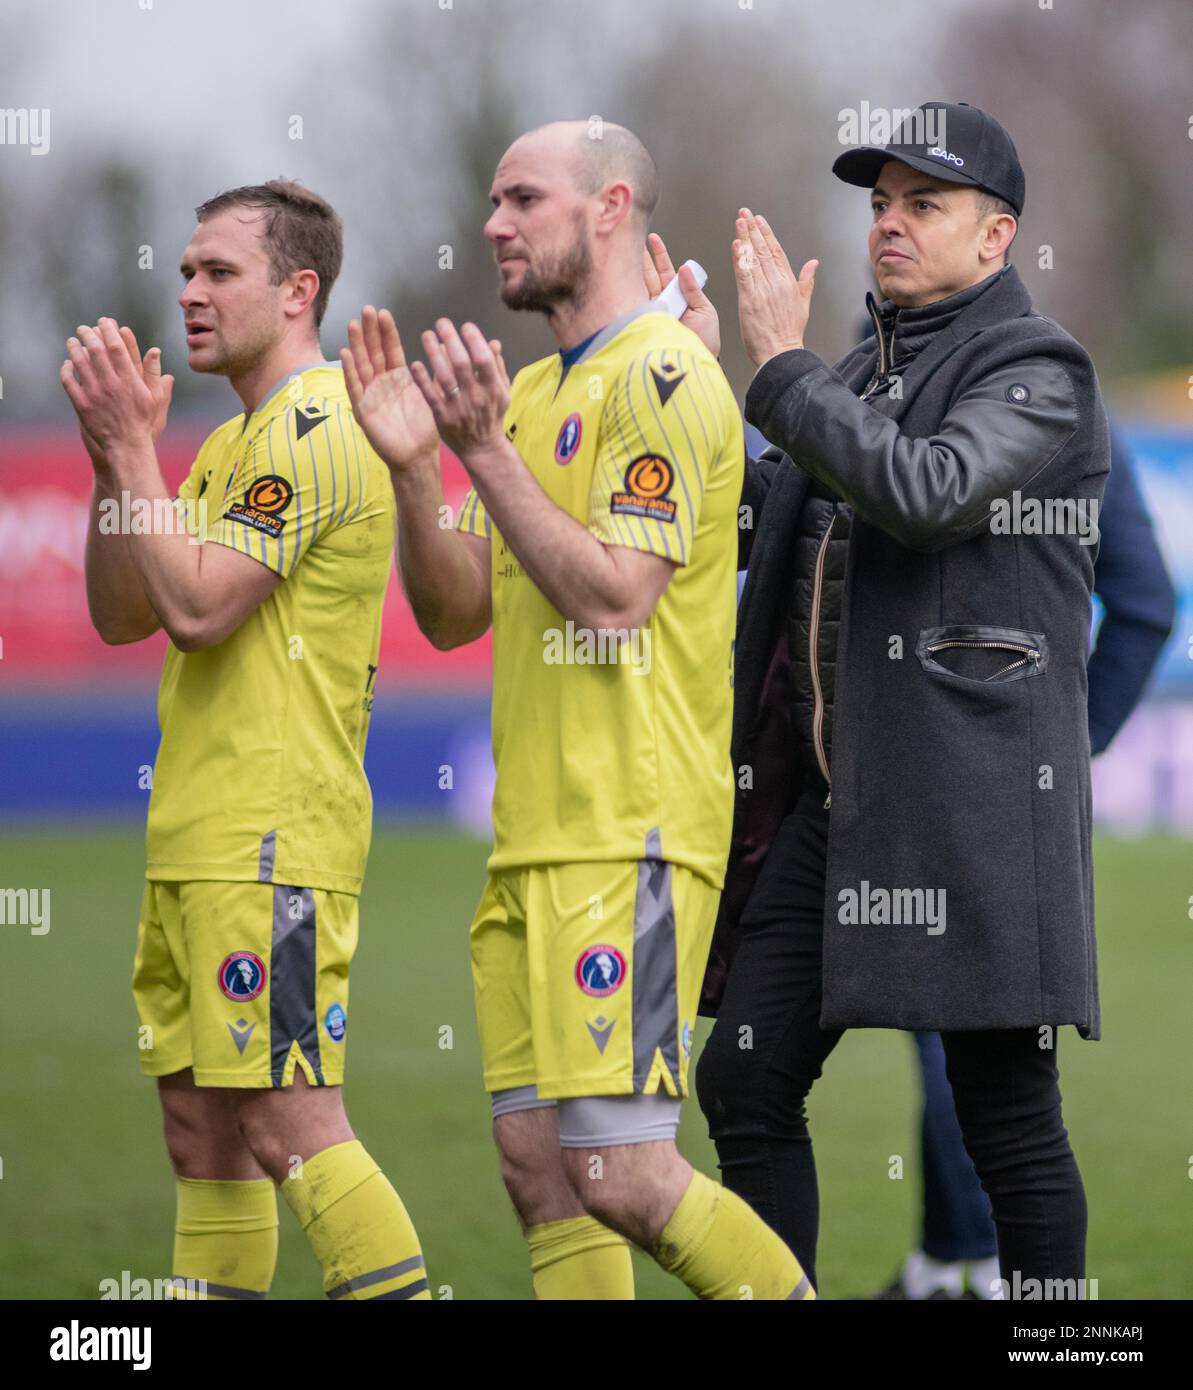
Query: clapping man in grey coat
[912, 837]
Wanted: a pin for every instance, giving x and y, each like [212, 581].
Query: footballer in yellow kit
[260, 814]
[600, 545]
[614, 789]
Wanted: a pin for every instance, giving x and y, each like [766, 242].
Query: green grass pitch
[86, 1190]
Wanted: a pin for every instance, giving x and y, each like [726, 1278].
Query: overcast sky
[169, 66]
[201, 95]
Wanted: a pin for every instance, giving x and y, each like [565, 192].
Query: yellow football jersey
[259, 773]
[613, 749]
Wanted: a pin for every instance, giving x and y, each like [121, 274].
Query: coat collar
[904, 334]
[1005, 297]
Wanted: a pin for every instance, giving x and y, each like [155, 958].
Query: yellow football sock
[579, 1259]
[357, 1226]
[721, 1248]
[226, 1234]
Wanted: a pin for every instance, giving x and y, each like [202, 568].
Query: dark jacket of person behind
[1137, 597]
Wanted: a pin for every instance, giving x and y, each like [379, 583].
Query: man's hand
[138, 405]
[772, 305]
[467, 387]
[387, 404]
[700, 315]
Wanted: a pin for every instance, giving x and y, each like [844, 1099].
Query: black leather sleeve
[927, 493]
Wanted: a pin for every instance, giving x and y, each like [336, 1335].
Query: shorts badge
[600, 971]
[241, 975]
[336, 1022]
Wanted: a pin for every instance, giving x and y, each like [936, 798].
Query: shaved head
[571, 204]
[600, 153]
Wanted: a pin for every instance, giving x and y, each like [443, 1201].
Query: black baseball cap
[952, 141]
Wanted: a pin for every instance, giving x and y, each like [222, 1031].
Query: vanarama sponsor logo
[648, 480]
[602, 646]
[265, 498]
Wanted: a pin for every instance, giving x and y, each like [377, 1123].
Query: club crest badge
[568, 439]
[600, 971]
[241, 976]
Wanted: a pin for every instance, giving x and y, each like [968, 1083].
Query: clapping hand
[773, 305]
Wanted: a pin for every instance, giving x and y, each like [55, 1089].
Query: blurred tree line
[739, 102]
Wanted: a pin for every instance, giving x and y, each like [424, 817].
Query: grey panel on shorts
[518, 1098]
[292, 983]
[595, 1122]
[655, 1006]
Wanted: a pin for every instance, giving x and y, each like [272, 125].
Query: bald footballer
[599, 539]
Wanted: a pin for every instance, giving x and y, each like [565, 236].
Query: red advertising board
[45, 488]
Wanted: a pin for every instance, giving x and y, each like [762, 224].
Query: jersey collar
[277, 386]
[573, 356]
[611, 330]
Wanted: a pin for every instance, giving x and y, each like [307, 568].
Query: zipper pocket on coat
[1028, 651]
[1028, 654]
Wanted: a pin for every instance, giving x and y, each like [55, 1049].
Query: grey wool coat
[960, 750]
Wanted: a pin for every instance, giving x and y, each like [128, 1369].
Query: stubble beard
[235, 358]
[563, 280]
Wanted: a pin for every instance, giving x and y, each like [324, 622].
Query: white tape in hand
[672, 298]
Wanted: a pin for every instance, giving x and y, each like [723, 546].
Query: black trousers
[1004, 1084]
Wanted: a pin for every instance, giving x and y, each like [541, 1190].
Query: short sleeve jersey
[615, 746]
[259, 775]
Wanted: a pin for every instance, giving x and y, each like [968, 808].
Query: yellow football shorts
[243, 982]
[587, 976]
